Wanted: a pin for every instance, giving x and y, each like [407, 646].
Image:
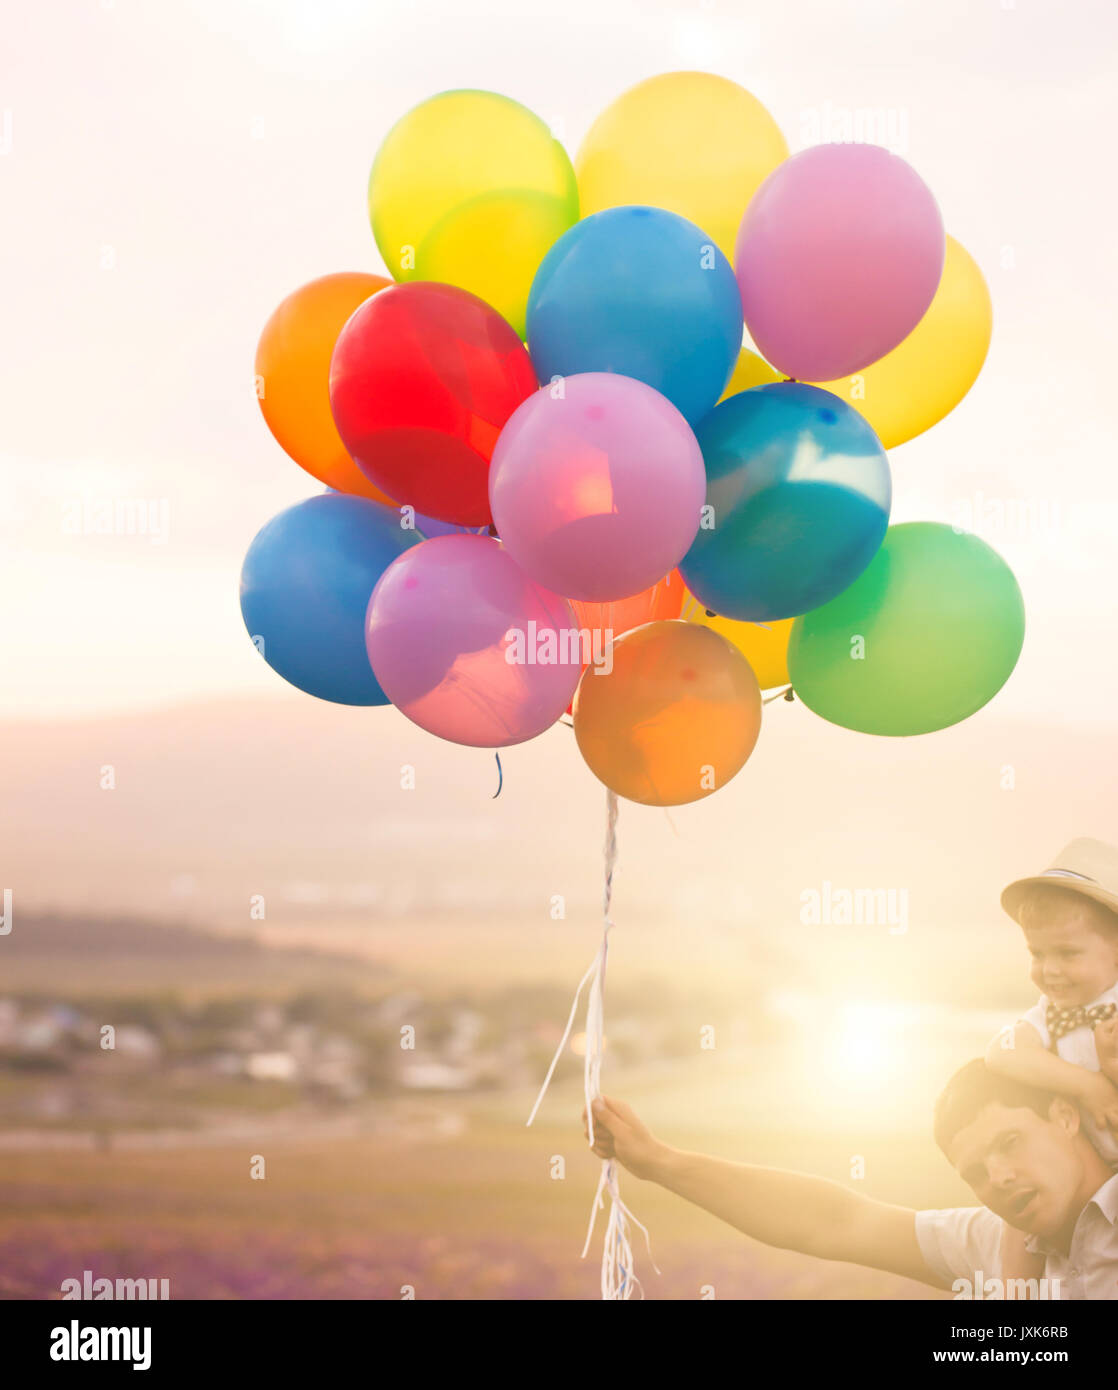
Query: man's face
[1025, 1168]
[1073, 959]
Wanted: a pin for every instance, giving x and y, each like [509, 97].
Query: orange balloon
[293, 377]
[673, 718]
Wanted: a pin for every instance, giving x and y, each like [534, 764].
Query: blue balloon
[306, 583]
[643, 293]
[798, 498]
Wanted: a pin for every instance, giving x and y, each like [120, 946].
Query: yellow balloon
[927, 375]
[472, 189]
[690, 142]
[764, 645]
[751, 371]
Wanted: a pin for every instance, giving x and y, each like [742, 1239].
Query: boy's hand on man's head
[618, 1133]
[1106, 1045]
[1099, 1097]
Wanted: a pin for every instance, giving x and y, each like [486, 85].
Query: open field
[451, 1196]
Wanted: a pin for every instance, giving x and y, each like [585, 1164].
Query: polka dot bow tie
[1061, 1021]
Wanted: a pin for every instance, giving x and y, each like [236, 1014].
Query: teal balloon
[925, 637]
[798, 498]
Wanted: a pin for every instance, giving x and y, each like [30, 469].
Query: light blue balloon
[798, 498]
[305, 585]
[643, 293]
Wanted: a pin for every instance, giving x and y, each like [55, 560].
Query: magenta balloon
[470, 648]
[596, 486]
[838, 257]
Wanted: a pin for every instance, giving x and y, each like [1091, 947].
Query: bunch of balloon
[559, 482]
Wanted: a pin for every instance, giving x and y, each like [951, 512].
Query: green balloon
[927, 634]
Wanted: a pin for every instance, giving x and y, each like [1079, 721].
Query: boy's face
[1021, 1165]
[1074, 956]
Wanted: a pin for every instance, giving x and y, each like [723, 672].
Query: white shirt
[964, 1244]
[1078, 1047]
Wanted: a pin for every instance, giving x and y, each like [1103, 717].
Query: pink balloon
[468, 647]
[838, 257]
[596, 486]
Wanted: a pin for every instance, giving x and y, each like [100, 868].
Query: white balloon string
[562, 1042]
[618, 1278]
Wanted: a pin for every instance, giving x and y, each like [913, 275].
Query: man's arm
[790, 1210]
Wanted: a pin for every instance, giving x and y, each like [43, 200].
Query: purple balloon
[468, 647]
[839, 255]
[596, 489]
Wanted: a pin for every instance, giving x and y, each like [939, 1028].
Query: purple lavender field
[451, 1211]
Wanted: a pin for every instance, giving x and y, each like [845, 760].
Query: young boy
[1068, 1041]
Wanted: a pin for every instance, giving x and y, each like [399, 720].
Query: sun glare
[866, 1045]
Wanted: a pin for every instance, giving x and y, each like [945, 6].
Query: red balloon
[423, 378]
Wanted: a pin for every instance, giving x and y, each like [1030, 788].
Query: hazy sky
[169, 172]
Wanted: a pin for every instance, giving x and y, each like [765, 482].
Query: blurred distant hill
[61, 956]
[51, 935]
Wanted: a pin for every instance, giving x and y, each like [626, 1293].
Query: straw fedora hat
[1087, 867]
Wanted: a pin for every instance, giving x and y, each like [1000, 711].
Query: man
[1022, 1151]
